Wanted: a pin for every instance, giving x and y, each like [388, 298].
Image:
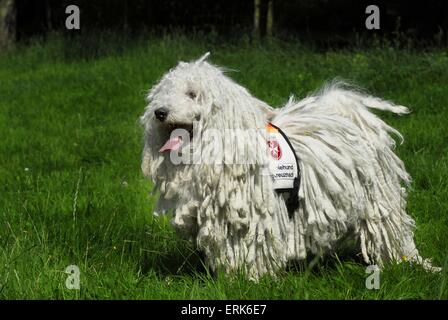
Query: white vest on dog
[283, 164]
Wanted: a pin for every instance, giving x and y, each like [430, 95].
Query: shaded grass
[71, 191]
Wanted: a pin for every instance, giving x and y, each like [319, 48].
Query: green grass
[71, 190]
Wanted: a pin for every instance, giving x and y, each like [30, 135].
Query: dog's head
[192, 92]
[182, 96]
[199, 99]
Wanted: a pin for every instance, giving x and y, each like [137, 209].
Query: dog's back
[351, 177]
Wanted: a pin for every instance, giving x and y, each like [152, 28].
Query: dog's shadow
[318, 264]
[185, 261]
[191, 262]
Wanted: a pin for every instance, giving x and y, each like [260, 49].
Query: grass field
[71, 190]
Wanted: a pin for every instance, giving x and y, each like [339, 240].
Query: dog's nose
[161, 113]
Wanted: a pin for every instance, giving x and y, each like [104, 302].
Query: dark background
[337, 22]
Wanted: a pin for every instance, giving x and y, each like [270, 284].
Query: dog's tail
[354, 104]
[356, 94]
[342, 99]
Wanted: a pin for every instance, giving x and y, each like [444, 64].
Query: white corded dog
[206, 152]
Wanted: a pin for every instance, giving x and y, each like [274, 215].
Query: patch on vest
[282, 159]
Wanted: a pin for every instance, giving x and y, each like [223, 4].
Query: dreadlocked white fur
[351, 180]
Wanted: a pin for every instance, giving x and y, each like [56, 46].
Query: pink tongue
[172, 144]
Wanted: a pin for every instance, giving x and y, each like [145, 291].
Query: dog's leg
[390, 239]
